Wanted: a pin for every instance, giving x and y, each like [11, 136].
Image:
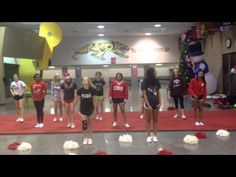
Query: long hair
[203, 77]
[121, 75]
[37, 74]
[150, 77]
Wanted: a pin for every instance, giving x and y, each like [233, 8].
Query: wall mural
[100, 49]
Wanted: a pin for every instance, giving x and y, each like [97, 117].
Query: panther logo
[99, 49]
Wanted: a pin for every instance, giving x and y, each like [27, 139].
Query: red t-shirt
[198, 87]
[38, 89]
[118, 90]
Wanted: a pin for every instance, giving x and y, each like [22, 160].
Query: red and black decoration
[164, 152]
[13, 146]
[201, 135]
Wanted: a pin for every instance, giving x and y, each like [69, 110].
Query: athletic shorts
[68, 101]
[86, 113]
[18, 97]
[117, 100]
[199, 98]
[99, 97]
[153, 104]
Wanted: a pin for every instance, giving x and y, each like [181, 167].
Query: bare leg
[90, 126]
[21, 108]
[122, 110]
[154, 118]
[60, 108]
[148, 122]
[115, 112]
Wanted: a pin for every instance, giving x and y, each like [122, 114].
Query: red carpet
[214, 120]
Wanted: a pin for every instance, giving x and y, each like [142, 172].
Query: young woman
[86, 101]
[118, 95]
[176, 92]
[39, 90]
[56, 96]
[142, 99]
[198, 91]
[68, 94]
[17, 89]
[150, 88]
[99, 83]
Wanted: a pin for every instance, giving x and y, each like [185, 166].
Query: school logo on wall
[100, 49]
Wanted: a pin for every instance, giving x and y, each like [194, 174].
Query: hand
[125, 101]
[149, 107]
[110, 100]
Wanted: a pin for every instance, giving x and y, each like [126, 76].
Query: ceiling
[89, 29]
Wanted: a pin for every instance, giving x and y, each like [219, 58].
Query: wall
[146, 50]
[21, 44]
[2, 88]
[214, 49]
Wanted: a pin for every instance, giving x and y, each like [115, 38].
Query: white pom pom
[70, 145]
[190, 139]
[222, 133]
[126, 138]
[24, 146]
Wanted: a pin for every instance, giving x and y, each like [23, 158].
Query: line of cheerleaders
[90, 97]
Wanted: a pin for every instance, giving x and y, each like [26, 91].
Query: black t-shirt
[176, 86]
[151, 90]
[69, 91]
[99, 86]
[86, 100]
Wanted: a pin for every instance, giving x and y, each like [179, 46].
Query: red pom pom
[13, 146]
[171, 108]
[165, 152]
[200, 135]
[101, 153]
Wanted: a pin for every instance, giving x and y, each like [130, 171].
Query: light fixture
[157, 25]
[51, 67]
[100, 26]
[158, 64]
[100, 34]
[148, 34]
[105, 66]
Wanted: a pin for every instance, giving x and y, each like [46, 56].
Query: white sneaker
[127, 125]
[37, 126]
[85, 141]
[176, 116]
[114, 124]
[72, 126]
[90, 141]
[97, 117]
[100, 118]
[21, 120]
[55, 119]
[201, 123]
[141, 116]
[183, 116]
[154, 139]
[18, 120]
[68, 125]
[41, 125]
[149, 139]
[197, 123]
[60, 119]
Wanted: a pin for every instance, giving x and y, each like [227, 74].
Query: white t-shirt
[17, 87]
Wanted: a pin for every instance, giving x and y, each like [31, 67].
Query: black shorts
[86, 113]
[153, 104]
[200, 97]
[18, 97]
[117, 100]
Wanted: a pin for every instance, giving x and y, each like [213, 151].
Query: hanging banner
[134, 70]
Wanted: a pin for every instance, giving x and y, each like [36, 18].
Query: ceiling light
[157, 25]
[148, 34]
[158, 64]
[100, 26]
[100, 34]
[51, 67]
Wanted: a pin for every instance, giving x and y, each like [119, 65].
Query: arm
[52, 88]
[62, 95]
[91, 84]
[78, 101]
[94, 103]
[126, 91]
[191, 88]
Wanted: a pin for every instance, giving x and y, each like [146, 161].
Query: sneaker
[97, 117]
[68, 125]
[201, 123]
[37, 126]
[176, 116]
[154, 139]
[72, 126]
[114, 124]
[90, 141]
[85, 141]
[41, 125]
[197, 123]
[183, 116]
[18, 120]
[127, 125]
[60, 119]
[149, 139]
[21, 120]
[55, 119]
[141, 116]
[100, 118]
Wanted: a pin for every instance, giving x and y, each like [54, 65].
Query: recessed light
[148, 34]
[100, 34]
[100, 26]
[157, 25]
[158, 64]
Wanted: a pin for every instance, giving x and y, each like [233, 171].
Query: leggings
[39, 109]
[181, 100]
